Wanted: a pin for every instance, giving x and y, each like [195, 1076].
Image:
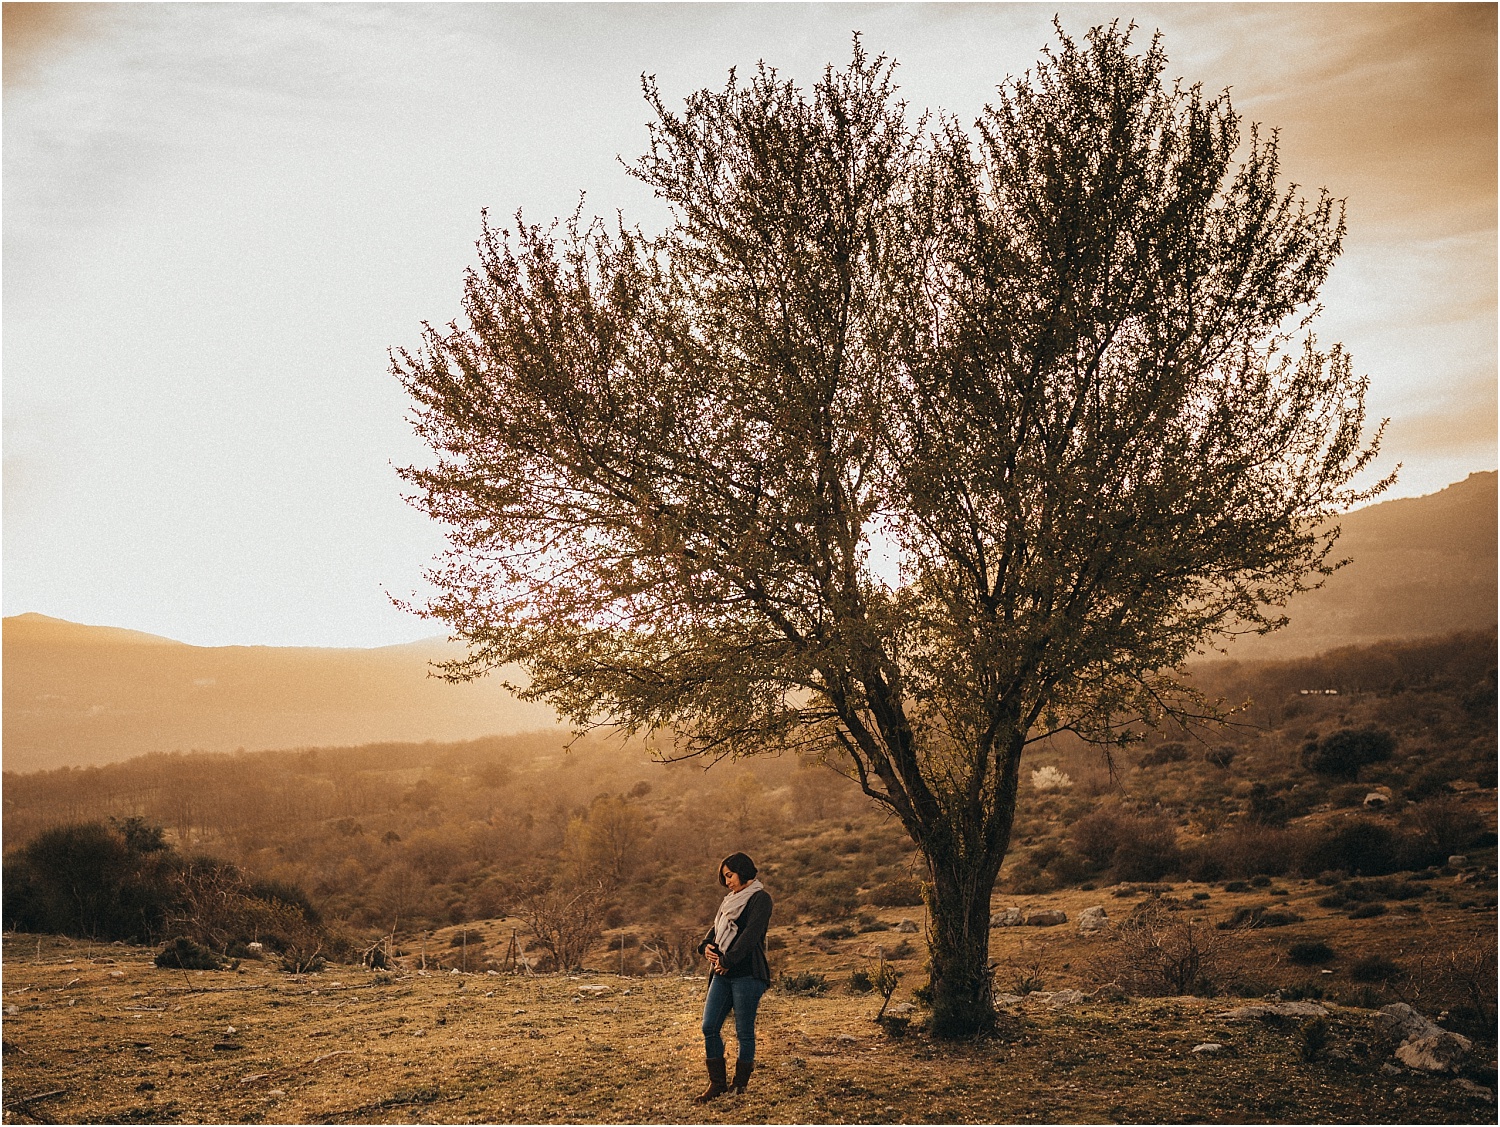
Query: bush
[860, 983]
[1374, 968]
[1368, 911]
[1310, 952]
[804, 982]
[1259, 917]
[1158, 955]
[1137, 848]
[91, 881]
[183, 953]
[1171, 752]
[1342, 754]
[1358, 845]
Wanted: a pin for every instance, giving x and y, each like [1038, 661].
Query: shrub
[1309, 952]
[1138, 848]
[1342, 754]
[1170, 752]
[1221, 756]
[1374, 968]
[805, 982]
[1259, 917]
[898, 892]
[1358, 845]
[1156, 954]
[1368, 911]
[859, 982]
[183, 953]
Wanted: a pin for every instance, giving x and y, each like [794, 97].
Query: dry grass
[119, 1040]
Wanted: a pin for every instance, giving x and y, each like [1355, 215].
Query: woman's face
[732, 879]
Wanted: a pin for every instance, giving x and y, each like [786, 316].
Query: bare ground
[99, 1034]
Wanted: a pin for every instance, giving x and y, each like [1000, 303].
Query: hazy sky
[219, 218]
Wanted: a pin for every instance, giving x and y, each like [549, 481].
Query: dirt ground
[98, 1034]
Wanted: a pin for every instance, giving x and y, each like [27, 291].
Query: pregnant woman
[738, 972]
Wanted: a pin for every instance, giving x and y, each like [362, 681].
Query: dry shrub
[1459, 978]
[1137, 847]
[672, 952]
[1156, 953]
[566, 919]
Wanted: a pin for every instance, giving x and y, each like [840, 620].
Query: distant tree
[1342, 754]
[567, 919]
[905, 448]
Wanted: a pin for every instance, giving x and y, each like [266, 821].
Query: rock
[1375, 800]
[1008, 917]
[907, 926]
[1208, 1049]
[901, 1009]
[1441, 1053]
[1474, 1089]
[593, 991]
[255, 948]
[1389, 1069]
[1273, 1009]
[1007, 999]
[1404, 1023]
[1062, 998]
[1047, 917]
[1092, 919]
[1458, 861]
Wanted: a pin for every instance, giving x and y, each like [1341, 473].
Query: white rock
[1092, 919]
[1375, 800]
[1208, 1048]
[901, 1009]
[1062, 998]
[1007, 999]
[593, 991]
[1441, 1053]
[1401, 1021]
[1006, 917]
[1273, 1009]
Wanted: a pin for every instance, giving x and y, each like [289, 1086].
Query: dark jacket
[746, 956]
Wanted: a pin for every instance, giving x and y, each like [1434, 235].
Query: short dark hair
[738, 864]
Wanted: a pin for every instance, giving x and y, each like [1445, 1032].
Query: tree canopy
[905, 444]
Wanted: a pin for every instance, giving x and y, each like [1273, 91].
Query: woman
[739, 974]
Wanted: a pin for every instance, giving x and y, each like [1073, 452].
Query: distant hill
[78, 695]
[1419, 566]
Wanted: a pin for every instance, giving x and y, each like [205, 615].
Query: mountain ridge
[77, 695]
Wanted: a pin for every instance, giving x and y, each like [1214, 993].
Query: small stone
[1389, 1069]
[1375, 800]
[277, 1092]
[116, 974]
[1458, 861]
[1474, 1089]
[1208, 1048]
[901, 1009]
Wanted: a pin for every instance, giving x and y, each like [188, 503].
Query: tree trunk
[958, 939]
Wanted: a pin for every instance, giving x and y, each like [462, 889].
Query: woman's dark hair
[738, 864]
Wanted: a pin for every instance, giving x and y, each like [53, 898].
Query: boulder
[1007, 999]
[1092, 919]
[1061, 998]
[1047, 917]
[1458, 861]
[1476, 1090]
[1007, 917]
[1375, 800]
[1208, 1049]
[1403, 1023]
[1444, 1052]
[907, 926]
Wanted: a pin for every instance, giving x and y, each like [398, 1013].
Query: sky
[218, 219]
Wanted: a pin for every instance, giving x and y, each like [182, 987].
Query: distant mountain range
[77, 695]
[1419, 566]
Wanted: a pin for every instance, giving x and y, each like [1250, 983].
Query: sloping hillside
[81, 695]
[1419, 566]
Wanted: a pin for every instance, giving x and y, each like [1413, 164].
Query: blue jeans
[742, 995]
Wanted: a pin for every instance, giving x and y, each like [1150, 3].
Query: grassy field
[96, 1033]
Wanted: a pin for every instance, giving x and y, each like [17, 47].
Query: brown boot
[718, 1082]
[742, 1070]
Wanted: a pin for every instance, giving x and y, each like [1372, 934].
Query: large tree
[905, 444]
